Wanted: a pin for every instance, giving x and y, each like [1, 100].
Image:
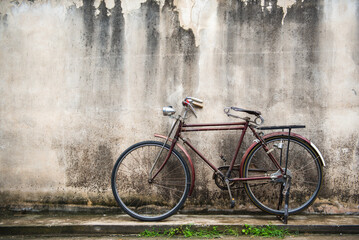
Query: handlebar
[195, 99]
[192, 101]
[199, 105]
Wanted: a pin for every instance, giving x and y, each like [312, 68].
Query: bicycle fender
[249, 150]
[193, 175]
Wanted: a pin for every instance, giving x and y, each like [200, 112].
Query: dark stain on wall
[3, 19]
[88, 11]
[187, 45]
[103, 26]
[150, 11]
[89, 168]
[180, 49]
[116, 54]
[251, 22]
[251, 32]
[117, 35]
[103, 37]
[306, 14]
[355, 54]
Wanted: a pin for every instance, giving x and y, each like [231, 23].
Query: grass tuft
[266, 231]
[214, 232]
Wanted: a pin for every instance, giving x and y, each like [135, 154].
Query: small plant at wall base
[189, 231]
[186, 231]
[266, 231]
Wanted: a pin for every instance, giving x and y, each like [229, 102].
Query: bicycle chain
[219, 181]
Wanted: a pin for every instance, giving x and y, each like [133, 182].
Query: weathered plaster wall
[80, 81]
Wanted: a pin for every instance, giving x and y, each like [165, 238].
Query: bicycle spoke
[171, 183]
[126, 171]
[162, 186]
[131, 203]
[314, 167]
[135, 158]
[170, 172]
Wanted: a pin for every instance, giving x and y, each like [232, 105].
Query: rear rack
[280, 127]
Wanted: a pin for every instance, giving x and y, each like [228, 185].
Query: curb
[136, 229]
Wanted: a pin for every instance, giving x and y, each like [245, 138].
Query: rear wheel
[144, 199]
[303, 167]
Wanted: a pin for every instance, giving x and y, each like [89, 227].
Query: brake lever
[226, 110]
[192, 109]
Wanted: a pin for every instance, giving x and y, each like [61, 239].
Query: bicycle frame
[243, 126]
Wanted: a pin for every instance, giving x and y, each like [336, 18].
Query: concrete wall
[80, 81]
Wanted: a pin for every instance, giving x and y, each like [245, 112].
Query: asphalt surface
[62, 224]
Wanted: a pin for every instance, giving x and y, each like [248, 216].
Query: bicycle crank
[220, 181]
[230, 193]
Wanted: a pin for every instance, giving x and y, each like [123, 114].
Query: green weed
[214, 232]
[266, 231]
[148, 233]
[186, 231]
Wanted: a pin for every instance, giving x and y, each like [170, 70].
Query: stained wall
[80, 81]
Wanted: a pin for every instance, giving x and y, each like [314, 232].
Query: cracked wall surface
[80, 81]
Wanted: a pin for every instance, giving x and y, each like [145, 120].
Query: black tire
[138, 197]
[303, 165]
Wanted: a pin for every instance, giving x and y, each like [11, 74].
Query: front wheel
[141, 197]
[303, 167]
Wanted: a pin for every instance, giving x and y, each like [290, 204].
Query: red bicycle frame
[243, 126]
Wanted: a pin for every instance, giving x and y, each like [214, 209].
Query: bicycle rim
[303, 166]
[144, 200]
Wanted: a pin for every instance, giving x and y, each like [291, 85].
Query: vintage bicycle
[282, 172]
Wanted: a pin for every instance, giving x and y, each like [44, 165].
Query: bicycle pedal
[233, 203]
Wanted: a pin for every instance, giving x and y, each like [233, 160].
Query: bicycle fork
[150, 178]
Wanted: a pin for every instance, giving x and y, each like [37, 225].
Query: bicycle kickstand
[230, 193]
[286, 199]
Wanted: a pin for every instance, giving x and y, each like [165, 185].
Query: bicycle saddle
[256, 113]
